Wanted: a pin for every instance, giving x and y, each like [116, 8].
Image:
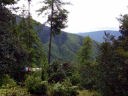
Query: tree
[7, 59]
[122, 54]
[20, 45]
[29, 41]
[104, 73]
[57, 18]
[86, 64]
[112, 66]
[85, 52]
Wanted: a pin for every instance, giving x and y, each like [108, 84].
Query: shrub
[10, 88]
[75, 79]
[8, 82]
[72, 91]
[14, 91]
[61, 89]
[35, 85]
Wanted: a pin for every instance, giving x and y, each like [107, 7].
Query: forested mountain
[99, 35]
[64, 45]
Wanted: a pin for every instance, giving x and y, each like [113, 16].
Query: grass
[88, 93]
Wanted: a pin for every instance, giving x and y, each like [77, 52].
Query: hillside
[64, 45]
[98, 35]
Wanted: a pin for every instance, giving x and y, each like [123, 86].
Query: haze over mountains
[99, 35]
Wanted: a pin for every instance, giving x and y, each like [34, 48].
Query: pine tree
[30, 42]
[112, 66]
[57, 18]
[86, 65]
[105, 73]
[19, 42]
[7, 59]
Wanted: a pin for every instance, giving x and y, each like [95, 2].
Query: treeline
[108, 73]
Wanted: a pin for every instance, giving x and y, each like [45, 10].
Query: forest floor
[88, 93]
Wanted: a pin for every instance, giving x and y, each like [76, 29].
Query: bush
[75, 79]
[8, 82]
[72, 91]
[35, 85]
[61, 89]
[14, 91]
[10, 88]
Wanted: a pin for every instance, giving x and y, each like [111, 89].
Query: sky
[87, 15]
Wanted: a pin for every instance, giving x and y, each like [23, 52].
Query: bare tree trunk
[50, 41]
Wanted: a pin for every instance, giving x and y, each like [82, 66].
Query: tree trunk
[50, 41]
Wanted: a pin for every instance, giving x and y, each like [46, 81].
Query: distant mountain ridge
[66, 45]
[98, 35]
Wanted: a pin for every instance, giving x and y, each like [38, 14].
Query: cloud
[89, 15]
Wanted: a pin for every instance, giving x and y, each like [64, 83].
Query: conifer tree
[19, 42]
[57, 17]
[112, 66]
[7, 58]
[86, 65]
[105, 73]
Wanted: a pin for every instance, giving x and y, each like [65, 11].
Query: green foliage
[105, 70]
[19, 46]
[14, 91]
[124, 25]
[57, 18]
[58, 72]
[88, 93]
[112, 66]
[64, 89]
[7, 82]
[85, 51]
[59, 90]
[30, 42]
[35, 85]
[59, 83]
[75, 78]
[87, 64]
[7, 47]
[10, 88]
[55, 72]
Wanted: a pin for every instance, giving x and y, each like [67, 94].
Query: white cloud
[89, 15]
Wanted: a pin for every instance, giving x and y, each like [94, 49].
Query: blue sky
[88, 15]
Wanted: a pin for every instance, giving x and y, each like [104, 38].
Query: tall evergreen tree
[57, 18]
[105, 69]
[85, 51]
[6, 48]
[19, 42]
[86, 64]
[112, 78]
